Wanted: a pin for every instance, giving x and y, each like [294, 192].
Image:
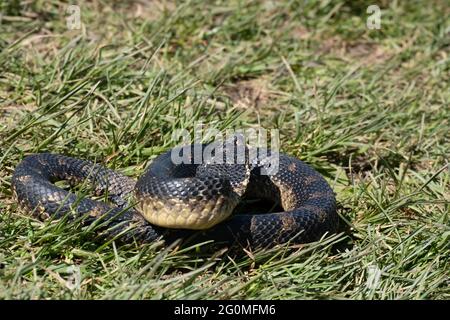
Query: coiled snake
[172, 198]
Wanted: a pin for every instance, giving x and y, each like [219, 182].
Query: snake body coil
[171, 198]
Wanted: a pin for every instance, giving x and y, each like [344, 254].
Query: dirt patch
[252, 93]
[363, 52]
[10, 114]
[366, 52]
[150, 9]
[300, 33]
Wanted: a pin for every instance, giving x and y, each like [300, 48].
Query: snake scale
[171, 201]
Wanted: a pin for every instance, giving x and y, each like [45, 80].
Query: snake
[173, 200]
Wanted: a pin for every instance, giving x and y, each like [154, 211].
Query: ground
[368, 108]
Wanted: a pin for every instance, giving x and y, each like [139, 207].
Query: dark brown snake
[171, 198]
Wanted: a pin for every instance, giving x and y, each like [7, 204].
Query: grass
[367, 108]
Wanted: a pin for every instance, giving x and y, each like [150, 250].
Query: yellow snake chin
[187, 214]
